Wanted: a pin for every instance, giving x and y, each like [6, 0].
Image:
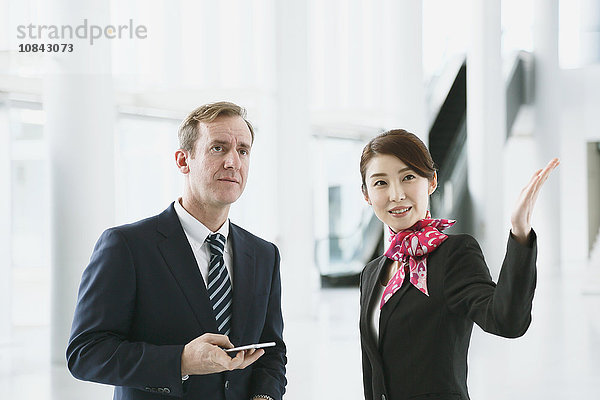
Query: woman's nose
[397, 193]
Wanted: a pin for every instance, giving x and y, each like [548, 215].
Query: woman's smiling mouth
[399, 211]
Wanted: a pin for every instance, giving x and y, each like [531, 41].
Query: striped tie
[219, 285]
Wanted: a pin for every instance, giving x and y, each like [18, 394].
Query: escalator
[340, 259]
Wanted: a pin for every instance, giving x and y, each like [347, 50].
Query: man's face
[218, 169]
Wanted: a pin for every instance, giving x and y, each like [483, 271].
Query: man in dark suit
[161, 298]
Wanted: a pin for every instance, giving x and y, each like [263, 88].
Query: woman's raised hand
[521, 216]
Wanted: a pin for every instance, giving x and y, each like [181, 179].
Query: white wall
[580, 123]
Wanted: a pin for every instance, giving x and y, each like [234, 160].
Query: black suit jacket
[142, 298]
[423, 341]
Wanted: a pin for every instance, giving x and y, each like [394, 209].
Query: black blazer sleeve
[503, 309]
[268, 373]
[98, 350]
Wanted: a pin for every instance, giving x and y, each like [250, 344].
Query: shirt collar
[195, 230]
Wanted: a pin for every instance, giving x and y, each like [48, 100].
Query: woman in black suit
[420, 299]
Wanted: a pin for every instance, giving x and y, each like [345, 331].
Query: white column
[293, 155]
[547, 217]
[79, 105]
[486, 129]
[5, 227]
[402, 64]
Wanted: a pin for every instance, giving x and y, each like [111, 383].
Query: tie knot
[217, 243]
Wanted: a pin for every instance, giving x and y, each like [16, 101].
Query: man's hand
[521, 216]
[204, 355]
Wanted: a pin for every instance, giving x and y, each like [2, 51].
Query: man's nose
[232, 160]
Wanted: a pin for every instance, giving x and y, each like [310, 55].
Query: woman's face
[398, 195]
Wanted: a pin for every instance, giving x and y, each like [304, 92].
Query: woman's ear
[365, 194]
[433, 183]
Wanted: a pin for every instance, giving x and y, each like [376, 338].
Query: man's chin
[228, 199]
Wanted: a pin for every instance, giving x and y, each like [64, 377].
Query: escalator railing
[342, 266]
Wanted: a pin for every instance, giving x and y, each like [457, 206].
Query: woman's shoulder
[460, 242]
[460, 238]
[372, 266]
[373, 263]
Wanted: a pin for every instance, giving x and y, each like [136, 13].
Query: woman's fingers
[543, 177]
[531, 181]
[521, 217]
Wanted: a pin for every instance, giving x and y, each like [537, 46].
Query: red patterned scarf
[412, 246]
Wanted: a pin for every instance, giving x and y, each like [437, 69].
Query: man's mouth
[227, 179]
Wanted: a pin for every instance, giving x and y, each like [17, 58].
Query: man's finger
[218, 340]
[227, 362]
[252, 358]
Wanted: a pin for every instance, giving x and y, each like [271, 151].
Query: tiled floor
[558, 358]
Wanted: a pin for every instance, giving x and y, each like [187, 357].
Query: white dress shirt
[196, 234]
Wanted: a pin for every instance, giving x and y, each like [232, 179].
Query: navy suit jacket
[142, 298]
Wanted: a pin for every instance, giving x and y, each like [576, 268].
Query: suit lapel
[180, 259]
[389, 307]
[244, 267]
[371, 281]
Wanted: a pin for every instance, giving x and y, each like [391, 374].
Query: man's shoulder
[138, 226]
[145, 225]
[249, 237]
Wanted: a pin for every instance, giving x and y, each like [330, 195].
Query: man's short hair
[188, 130]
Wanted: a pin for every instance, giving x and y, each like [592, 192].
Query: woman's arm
[504, 308]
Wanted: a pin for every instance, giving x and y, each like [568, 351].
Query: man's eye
[217, 148]
[244, 152]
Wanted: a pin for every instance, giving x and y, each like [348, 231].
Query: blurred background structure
[496, 88]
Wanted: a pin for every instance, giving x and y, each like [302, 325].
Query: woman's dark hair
[402, 144]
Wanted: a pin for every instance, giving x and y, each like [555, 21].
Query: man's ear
[181, 159]
[365, 194]
[433, 183]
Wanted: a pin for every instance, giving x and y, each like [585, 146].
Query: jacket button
[226, 384]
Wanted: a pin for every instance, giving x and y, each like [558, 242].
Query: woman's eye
[379, 183]
[409, 177]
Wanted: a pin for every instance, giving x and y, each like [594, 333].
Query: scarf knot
[411, 247]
